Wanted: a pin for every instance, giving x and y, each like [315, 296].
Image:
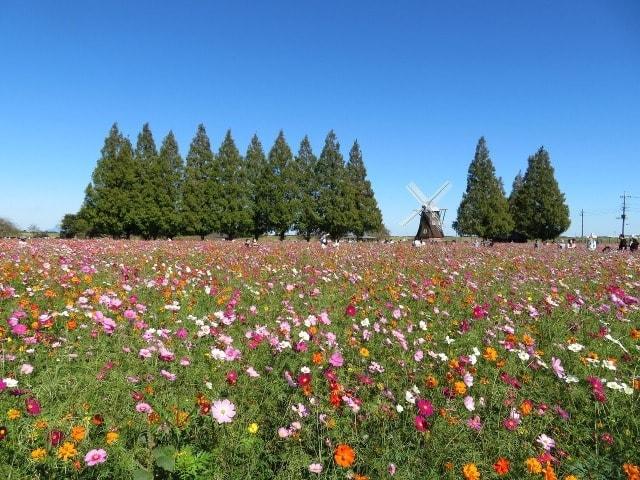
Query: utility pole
[582, 223]
[624, 210]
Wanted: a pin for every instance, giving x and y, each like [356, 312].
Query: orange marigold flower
[344, 455]
[526, 407]
[357, 476]
[632, 471]
[78, 433]
[470, 472]
[533, 465]
[490, 354]
[67, 451]
[502, 466]
[460, 388]
[431, 381]
[364, 352]
[317, 358]
[549, 474]
[570, 477]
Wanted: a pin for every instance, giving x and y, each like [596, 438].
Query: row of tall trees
[153, 193]
[536, 207]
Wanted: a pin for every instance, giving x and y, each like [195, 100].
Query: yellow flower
[38, 454]
[78, 433]
[570, 477]
[253, 428]
[490, 354]
[67, 451]
[41, 424]
[112, 437]
[364, 352]
[13, 414]
[533, 465]
[470, 472]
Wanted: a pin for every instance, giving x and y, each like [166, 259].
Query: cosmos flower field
[190, 360]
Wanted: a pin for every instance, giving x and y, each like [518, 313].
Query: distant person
[633, 246]
[536, 244]
[622, 244]
[606, 249]
[592, 242]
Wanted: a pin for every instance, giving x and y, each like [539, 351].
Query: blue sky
[417, 83]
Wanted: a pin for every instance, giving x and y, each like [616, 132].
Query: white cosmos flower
[575, 347]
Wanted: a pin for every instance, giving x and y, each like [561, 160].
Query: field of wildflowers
[189, 360]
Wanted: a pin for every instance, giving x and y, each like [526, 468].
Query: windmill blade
[417, 193]
[410, 217]
[441, 191]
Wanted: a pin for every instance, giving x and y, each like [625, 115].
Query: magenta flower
[223, 411]
[95, 456]
[421, 423]
[425, 407]
[33, 406]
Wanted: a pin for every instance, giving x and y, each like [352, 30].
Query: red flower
[3, 433]
[350, 310]
[502, 466]
[55, 437]
[304, 379]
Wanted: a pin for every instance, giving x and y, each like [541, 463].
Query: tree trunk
[201, 237]
[282, 236]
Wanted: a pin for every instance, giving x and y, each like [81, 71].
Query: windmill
[431, 217]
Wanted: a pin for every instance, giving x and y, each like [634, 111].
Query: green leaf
[140, 474]
[165, 457]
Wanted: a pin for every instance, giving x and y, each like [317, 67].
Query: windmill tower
[431, 217]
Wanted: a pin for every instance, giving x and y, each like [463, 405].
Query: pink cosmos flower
[168, 375]
[223, 411]
[336, 359]
[474, 423]
[469, 403]
[143, 407]
[315, 468]
[95, 456]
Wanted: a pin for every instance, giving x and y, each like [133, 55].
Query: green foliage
[199, 187]
[484, 210]
[281, 187]
[229, 194]
[335, 204]
[256, 167]
[539, 208]
[155, 194]
[307, 220]
[111, 198]
[8, 229]
[366, 216]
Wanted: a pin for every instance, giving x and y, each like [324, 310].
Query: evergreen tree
[256, 168]
[307, 220]
[539, 207]
[148, 189]
[484, 209]
[200, 181]
[169, 171]
[515, 189]
[282, 187]
[113, 189]
[334, 201]
[366, 214]
[87, 213]
[233, 200]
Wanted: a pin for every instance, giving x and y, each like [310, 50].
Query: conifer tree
[170, 170]
[334, 200]
[282, 187]
[307, 220]
[257, 172]
[113, 188]
[232, 200]
[515, 188]
[366, 214]
[200, 180]
[484, 209]
[539, 206]
[148, 188]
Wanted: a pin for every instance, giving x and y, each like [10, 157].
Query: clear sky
[417, 83]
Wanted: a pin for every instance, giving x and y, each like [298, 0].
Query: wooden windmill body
[431, 216]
